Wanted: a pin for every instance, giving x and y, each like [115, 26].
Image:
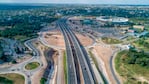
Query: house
[124, 28]
[131, 31]
[141, 27]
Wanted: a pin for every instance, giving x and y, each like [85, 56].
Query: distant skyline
[133, 2]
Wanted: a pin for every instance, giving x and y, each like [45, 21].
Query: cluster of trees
[135, 57]
[20, 29]
[110, 11]
[1, 50]
[24, 25]
[4, 80]
[5, 58]
[17, 6]
[143, 43]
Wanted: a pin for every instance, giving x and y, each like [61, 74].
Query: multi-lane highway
[70, 60]
[79, 54]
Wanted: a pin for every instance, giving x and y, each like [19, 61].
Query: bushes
[4, 80]
[21, 29]
[43, 80]
[143, 42]
[131, 72]
[140, 58]
[111, 40]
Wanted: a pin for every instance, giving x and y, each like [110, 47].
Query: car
[13, 70]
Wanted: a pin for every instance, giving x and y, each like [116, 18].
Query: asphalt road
[71, 76]
[112, 71]
[19, 68]
[86, 69]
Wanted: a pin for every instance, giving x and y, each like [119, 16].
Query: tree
[14, 62]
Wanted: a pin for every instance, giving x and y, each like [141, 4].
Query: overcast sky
[139, 2]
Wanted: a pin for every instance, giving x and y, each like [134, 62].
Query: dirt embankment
[56, 38]
[104, 53]
[39, 74]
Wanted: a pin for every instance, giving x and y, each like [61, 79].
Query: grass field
[12, 78]
[130, 73]
[32, 65]
[65, 67]
[110, 40]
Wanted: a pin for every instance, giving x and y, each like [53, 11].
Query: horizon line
[67, 3]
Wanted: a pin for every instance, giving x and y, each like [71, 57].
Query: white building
[112, 19]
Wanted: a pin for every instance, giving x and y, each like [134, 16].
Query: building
[139, 27]
[131, 31]
[112, 19]
[124, 28]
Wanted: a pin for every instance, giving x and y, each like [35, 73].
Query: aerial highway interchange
[78, 61]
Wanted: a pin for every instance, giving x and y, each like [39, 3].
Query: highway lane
[88, 78]
[74, 53]
[83, 53]
[71, 76]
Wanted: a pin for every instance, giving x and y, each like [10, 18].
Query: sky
[138, 2]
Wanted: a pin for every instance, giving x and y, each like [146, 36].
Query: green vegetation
[147, 27]
[139, 20]
[65, 67]
[32, 65]
[23, 27]
[110, 40]
[43, 80]
[4, 80]
[142, 43]
[14, 62]
[12, 78]
[129, 38]
[24, 38]
[131, 65]
[138, 57]
[1, 50]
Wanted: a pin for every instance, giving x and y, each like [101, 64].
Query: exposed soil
[55, 38]
[105, 52]
[38, 75]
